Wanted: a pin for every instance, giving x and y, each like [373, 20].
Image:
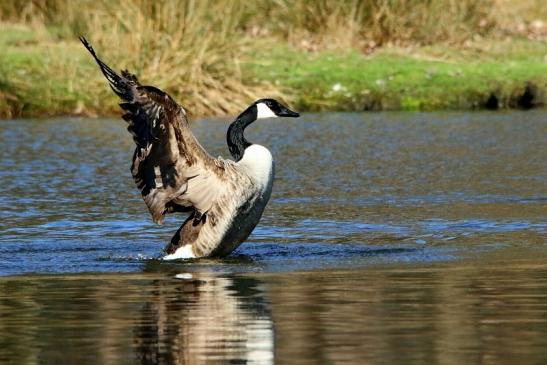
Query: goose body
[225, 199]
[234, 215]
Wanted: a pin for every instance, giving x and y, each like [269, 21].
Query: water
[390, 238]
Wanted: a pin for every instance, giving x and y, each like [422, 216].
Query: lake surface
[390, 238]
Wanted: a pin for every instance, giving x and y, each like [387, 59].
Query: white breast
[257, 162]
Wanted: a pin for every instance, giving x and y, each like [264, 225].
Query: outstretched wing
[170, 167]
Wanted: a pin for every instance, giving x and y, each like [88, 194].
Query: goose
[224, 198]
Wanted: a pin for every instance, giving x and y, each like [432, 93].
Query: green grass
[41, 77]
[44, 76]
[217, 56]
[403, 79]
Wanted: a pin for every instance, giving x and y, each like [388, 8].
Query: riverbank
[484, 74]
[41, 76]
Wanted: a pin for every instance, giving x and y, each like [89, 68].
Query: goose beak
[285, 112]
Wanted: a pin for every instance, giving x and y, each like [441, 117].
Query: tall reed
[194, 49]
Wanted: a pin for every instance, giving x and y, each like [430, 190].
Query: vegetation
[433, 77]
[319, 55]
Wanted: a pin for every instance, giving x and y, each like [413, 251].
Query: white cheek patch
[263, 111]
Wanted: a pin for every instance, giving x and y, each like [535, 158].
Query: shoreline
[47, 78]
[117, 115]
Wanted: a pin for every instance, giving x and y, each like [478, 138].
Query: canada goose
[225, 198]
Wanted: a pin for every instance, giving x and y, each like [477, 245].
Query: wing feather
[169, 166]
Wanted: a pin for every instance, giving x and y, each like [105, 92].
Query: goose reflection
[203, 317]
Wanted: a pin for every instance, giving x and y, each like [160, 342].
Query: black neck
[236, 141]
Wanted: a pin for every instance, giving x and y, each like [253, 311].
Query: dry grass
[190, 50]
[523, 18]
[369, 24]
[325, 23]
[193, 49]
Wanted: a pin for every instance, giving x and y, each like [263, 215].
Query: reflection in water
[204, 318]
[491, 311]
[150, 320]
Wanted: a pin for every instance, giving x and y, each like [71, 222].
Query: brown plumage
[175, 174]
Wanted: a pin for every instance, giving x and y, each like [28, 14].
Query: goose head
[271, 108]
[262, 108]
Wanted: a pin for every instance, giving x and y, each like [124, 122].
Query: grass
[215, 57]
[40, 77]
[190, 49]
[408, 79]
